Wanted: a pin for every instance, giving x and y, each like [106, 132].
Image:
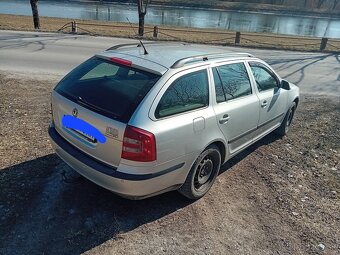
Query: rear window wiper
[84, 102]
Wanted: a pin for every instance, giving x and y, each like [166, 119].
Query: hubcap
[204, 171]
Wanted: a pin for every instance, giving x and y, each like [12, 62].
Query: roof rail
[181, 62]
[123, 45]
[139, 45]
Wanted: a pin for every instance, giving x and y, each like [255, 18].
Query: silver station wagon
[141, 120]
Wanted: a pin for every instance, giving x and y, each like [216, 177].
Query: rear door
[273, 99]
[183, 122]
[237, 106]
[103, 95]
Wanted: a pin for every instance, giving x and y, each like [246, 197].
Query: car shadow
[64, 213]
[58, 211]
[268, 139]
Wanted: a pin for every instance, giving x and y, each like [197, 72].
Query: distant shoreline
[266, 12]
[231, 6]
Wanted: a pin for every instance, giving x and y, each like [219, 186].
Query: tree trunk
[141, 15]
[141, 24]
[34, 5]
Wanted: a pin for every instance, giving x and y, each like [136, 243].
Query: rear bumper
[133, 186]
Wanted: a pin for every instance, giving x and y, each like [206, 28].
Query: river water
[183, 17]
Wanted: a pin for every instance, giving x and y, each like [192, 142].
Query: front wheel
[284, 128]
[202, 174]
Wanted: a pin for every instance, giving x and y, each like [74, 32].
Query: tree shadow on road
[25, 40]
[283, 64]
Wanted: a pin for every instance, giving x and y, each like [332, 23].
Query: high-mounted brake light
[121, 61]
[138, 145]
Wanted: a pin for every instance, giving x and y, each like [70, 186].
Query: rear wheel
[284, 128]
[202, 174]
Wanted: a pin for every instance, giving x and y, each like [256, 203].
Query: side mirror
[285, 85]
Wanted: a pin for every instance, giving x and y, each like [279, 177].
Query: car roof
[162, 56]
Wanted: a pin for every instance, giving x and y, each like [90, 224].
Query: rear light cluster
[138, 145]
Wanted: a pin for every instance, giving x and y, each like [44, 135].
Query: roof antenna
[140, 41]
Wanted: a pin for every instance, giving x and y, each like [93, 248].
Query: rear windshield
[107, 88]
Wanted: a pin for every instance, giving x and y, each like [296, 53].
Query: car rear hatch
[93, 104]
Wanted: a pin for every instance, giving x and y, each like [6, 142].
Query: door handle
[224, 119]
[264, 104]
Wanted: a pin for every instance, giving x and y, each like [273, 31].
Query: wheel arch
[222, 148]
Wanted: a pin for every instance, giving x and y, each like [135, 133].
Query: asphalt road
[51, 55]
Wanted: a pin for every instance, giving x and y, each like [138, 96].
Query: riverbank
[208, 36]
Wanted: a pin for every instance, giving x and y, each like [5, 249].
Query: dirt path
[281, 196]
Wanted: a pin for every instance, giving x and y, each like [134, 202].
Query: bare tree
[231, 87]
[142, 9]
[320, 3]
[335, 3]
[34, 5]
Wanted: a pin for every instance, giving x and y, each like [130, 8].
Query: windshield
[107, 88]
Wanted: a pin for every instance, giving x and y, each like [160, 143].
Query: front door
[273, 99]
[237, 106]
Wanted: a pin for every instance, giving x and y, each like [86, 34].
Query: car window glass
[101, 70]
[235, 80]
[107, 88]
[264, 79]
[189, 92]
[220, 97]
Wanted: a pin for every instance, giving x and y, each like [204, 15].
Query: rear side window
[189, 92]
[231, 81]
[107, 88]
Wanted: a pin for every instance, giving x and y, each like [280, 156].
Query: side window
[220, 97]
[264, 78]
[234, 79]
[189, 92]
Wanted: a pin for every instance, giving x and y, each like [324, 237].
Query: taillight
[138, 145]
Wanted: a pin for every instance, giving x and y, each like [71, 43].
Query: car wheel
[284, 128]
[202, 174]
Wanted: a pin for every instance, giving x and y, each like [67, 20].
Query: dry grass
[210, 36]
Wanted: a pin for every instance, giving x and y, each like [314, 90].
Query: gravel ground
[280, 196]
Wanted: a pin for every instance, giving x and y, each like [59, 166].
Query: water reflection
[183, 17]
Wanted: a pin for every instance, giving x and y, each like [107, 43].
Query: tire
[202, 174]
[284, 128]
